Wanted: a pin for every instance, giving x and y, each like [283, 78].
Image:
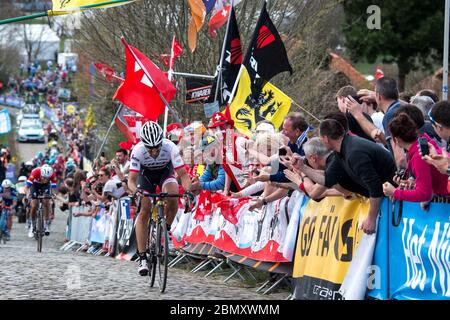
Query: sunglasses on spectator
[432, 120]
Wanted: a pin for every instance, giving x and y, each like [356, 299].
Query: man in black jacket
[365, 162]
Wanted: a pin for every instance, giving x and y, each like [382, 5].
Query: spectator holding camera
[428, 180]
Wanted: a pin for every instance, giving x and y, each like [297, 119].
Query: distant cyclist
[41, 181]
[154, 162]
[9, 197]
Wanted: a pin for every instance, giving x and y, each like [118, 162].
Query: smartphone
[423, 146]
[357, 99]
[282, 152]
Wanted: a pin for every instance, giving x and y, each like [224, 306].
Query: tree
[411, 33]
[307, 27]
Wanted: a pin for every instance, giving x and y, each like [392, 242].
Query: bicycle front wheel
[152, 251]
[162, 252]
[39, 229]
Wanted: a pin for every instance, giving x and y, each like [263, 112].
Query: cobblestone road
[53, 274]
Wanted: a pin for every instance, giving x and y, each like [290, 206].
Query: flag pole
[235, 84]
[219, 77]
[445, 62]
[50, 12]
[169, 76]
[193, 75]
[107, 132]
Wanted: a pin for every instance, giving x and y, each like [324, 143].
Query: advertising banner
[418, 256]
[5, 121]
[125, 236]
[328, 237]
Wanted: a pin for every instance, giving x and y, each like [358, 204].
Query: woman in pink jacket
[428, 180]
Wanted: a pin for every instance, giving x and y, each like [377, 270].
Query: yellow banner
[273, 105]
[61, 7]
[328, 237]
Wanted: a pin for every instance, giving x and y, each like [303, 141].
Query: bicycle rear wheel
[152, 251]
[162, 251]
[39, 229]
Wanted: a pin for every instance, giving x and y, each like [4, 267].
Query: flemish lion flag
[61, 7]
[271, 104]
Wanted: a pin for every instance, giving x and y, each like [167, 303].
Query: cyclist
[154, 162]
[9, 195]
[42, 180]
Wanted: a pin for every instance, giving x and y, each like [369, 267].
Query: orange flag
[198, 11]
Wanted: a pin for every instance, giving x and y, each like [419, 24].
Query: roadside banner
[412, 252]
[5, 121]
[328, 237]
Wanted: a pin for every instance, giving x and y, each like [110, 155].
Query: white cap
[265, 127]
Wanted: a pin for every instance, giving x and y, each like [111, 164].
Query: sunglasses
[154, 148]
[432, 120]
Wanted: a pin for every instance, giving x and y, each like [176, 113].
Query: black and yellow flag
[271, 104]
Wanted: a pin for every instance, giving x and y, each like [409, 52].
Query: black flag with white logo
[266, 55]
[231, 63]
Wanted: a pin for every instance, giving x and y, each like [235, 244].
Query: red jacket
[429, 181]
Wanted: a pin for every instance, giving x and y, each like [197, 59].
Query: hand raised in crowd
[286, 161]
[377, 135]
[367, 95]
[196, 186]
[404, 184]
[388, 189]
[289, 152]
[257, 204]
[294, 177]
[440, 161]
[353, 106]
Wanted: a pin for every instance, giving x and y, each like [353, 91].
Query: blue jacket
[208, 182]
[9, 200]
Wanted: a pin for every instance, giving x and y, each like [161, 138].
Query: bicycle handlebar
[45, 196]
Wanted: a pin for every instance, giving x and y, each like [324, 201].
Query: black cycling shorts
[40, 189]
[149, 180]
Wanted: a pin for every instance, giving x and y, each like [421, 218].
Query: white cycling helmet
[6, 183]
[46, 171]
[22, 179]
[151, 134]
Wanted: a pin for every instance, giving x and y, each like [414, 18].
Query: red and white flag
[379, 73]
[143, 85]
[204, 205]
[123, 126]
[107, 71]
[130, 124]
[219, 15]
[229, 207]
[177, 50]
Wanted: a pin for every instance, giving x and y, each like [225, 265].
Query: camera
[282, 152]
[423, 146]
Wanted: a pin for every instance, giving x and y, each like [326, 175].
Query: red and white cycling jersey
[36, 177]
